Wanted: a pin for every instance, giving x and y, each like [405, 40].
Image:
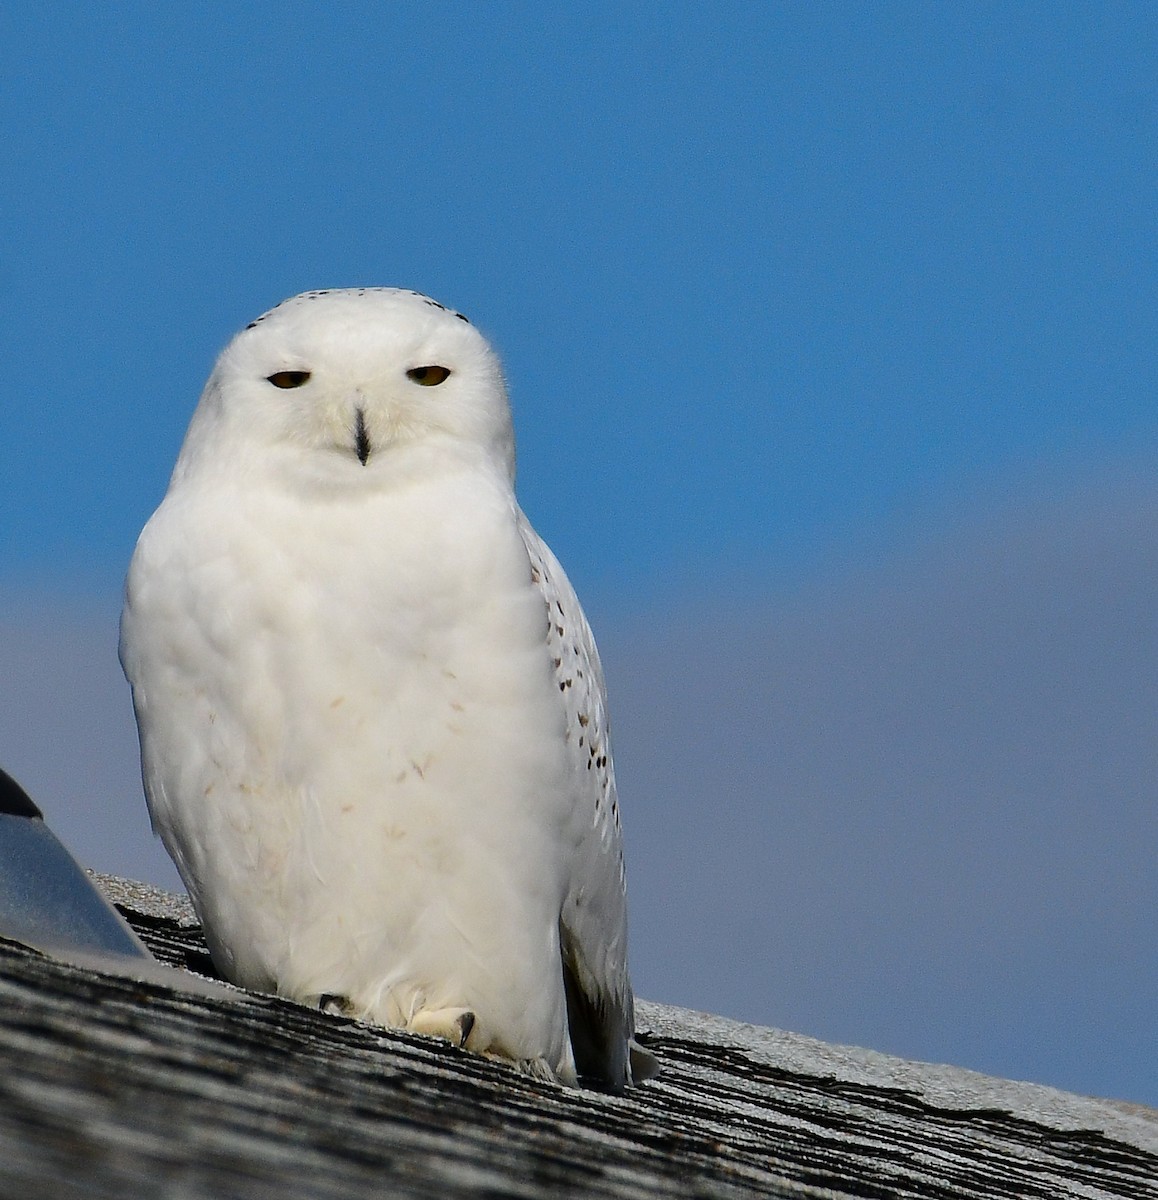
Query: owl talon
[454, 1025]
[466, 1024]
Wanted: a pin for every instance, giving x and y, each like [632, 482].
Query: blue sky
[830, 333]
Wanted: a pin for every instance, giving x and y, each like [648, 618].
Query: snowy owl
[372, 717]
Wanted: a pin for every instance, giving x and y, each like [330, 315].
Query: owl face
[333, 383]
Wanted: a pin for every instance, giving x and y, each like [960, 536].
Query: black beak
[361, 438]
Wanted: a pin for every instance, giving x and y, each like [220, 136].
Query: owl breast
[353, 747]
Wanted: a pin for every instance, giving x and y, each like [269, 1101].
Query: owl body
[357, 740]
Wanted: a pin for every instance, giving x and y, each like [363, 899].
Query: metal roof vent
[46, 900]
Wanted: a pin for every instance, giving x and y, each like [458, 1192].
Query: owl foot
[453, 1025]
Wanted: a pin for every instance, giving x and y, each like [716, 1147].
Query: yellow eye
[288, 379]
[429, 376]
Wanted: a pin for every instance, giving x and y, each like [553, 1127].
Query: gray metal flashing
[46, 900]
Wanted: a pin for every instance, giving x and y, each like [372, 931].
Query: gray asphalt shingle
[117, 1087]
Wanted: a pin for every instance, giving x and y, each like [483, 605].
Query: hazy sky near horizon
[830, 334]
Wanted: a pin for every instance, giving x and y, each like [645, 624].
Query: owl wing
[593, 923]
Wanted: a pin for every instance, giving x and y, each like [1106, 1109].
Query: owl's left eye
[288, 379]
[429, 376]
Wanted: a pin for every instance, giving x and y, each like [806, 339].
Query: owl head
[336, 386]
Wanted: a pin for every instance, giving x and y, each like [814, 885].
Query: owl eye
[429, 376]
[288, 379]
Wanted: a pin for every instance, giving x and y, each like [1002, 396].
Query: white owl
[372, 717]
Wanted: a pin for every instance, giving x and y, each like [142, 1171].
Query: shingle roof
[120, 1088]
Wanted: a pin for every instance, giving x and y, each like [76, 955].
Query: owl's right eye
[288, 379]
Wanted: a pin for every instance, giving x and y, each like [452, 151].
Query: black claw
[466, 1024]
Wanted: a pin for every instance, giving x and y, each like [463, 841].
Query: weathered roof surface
[115, 1087]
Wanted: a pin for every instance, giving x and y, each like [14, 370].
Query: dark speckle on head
[362, 291]
[435, 304]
